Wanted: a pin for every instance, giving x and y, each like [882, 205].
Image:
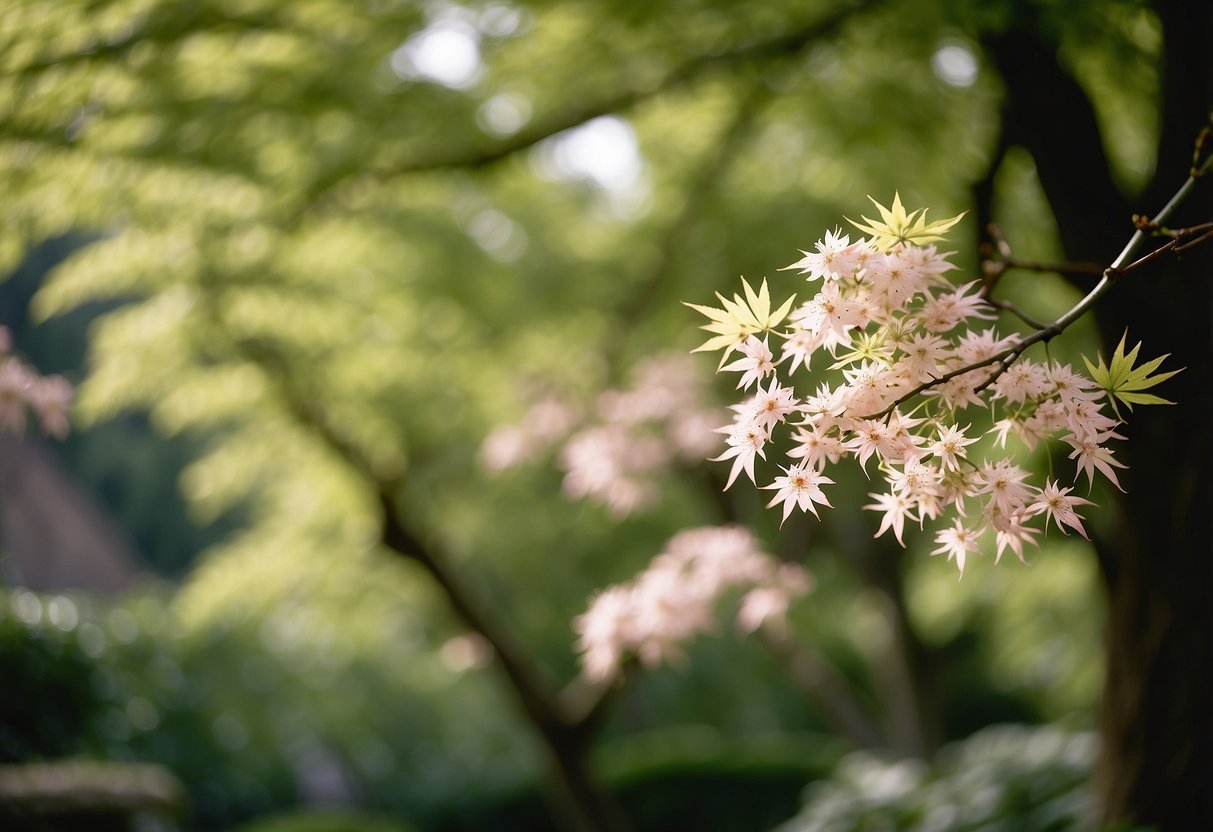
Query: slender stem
[1064, 267]
[1007, 306]
[1182, 247]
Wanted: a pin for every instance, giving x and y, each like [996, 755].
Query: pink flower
[816, 448]
[1092, 455]
[767, 606]
[653, 616]
[1023, 380]
[1005, 484]
[15, 384]
[896, 507]
[757, 364]
[1059, 507]
[923, 353]
[827, 261]
[746, 440]
[943, 312]
[949, 448]
[51, 396]
[771, 406]
[800, 487]
[1010, 532]
[956, 542]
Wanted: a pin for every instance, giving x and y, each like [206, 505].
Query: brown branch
[1007, 306]
[476, 157]
[588, 806]
[1077, 267]
[788, 42]
[1203, 238]
[173, 26]
[994, 268]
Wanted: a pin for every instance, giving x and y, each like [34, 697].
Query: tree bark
[1156, 714]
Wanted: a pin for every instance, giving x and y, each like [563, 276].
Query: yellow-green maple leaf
[896, 226]
[740, 318]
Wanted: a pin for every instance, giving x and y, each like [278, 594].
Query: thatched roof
[53, 534]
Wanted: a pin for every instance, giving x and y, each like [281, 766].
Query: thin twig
[1007, 306]
[994, 269]
[1179, 249]
[1064, 267]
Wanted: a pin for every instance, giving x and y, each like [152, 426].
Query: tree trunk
[1156, 715]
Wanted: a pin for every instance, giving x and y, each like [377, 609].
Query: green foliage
[246, 714]
[47, 700]
[1124, 382]
[693, 778]
[320, 821]
[1003, 777]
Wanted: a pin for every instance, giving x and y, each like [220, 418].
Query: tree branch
[476, 157]
[589, 807]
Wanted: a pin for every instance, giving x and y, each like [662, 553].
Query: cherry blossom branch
[1120, 266]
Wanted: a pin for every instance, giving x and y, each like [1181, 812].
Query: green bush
[325, 821]
[1002, 778]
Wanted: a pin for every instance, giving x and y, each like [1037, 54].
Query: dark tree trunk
[1156, 716]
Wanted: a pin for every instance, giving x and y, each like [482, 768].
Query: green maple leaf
[1123, 382]
[867, 347]
[896, 226]
[740, 318]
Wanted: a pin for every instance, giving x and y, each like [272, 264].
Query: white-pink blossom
[800, 486]
[1057, 505]
[956, 542]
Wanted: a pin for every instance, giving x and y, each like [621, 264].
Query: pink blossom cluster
[614, 452]
[22, 388]
[913, 354]
[653, 616]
